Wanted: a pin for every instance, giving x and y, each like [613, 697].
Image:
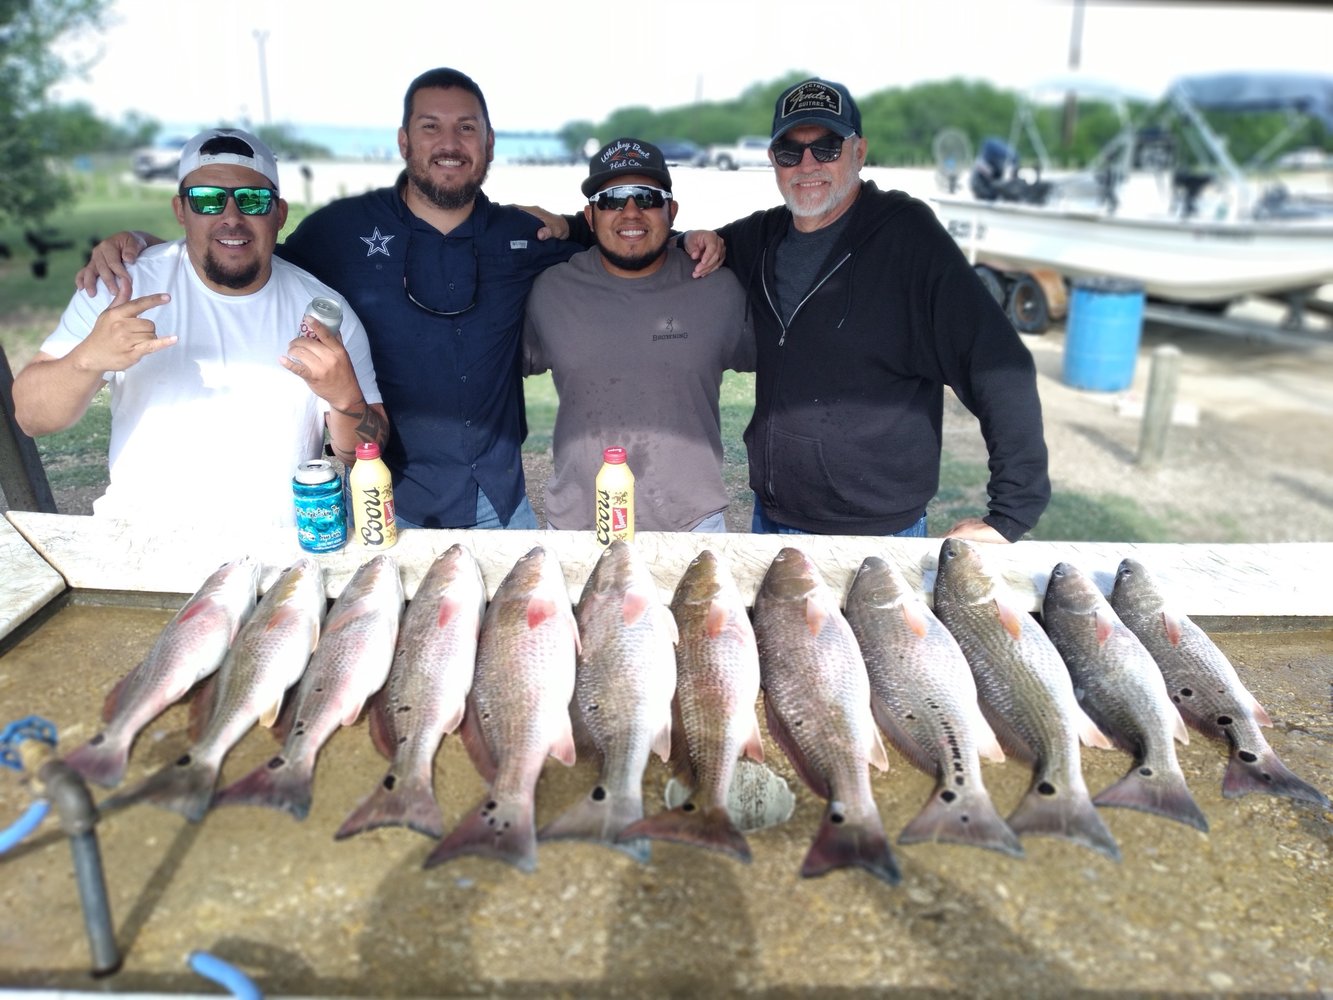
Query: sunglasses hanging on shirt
[440, 274]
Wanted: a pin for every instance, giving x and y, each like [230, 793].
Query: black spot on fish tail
[1262, 771]
[98, 740]
[389, 782]
[599, 794]
[276, 762]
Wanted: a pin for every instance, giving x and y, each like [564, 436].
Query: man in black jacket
[864, 310]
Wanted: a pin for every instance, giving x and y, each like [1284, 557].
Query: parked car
[160, 159]
[747, 151]
[682, 153]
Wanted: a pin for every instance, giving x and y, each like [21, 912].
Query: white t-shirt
[208, 432]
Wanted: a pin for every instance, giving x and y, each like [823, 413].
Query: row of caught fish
[625, 676]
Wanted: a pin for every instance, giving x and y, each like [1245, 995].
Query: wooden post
[1161, 401]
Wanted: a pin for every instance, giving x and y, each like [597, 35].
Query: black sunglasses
[616, 198]
[789, 152]
[205, 199]
[439, 274]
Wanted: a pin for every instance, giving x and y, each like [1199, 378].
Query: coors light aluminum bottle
[615, 498]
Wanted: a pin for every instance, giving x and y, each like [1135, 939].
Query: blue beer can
[321, 515]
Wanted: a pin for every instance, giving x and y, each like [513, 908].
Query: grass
[76, 458]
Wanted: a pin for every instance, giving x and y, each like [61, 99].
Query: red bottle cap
[367, 449]
[614, 456]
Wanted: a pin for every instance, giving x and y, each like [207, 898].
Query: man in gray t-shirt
[636, 347]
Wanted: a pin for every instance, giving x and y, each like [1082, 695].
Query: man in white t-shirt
[220, 384]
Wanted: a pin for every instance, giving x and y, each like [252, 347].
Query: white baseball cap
[228, 145]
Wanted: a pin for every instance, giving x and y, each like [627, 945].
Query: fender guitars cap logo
[813, 96]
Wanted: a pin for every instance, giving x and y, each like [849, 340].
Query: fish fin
[1258, 711]
[916, 754]
[1157, 791]
[875, 753]
[185, 786]
[916, 621]
[662, 741]
[815, 615]
[278, 784]
[1262, 771]
[1179, 730]
[112, 703]
[450, 608]
[842, 843]
[600, 817]
[1010, 617]
[988, 744]
[474, 741]
[397, 801]
[633, 606]
[717, 618]
[1006, 735]
[1089, 733]
[501, 830]
[353, 713]
[753, 747]
[962, 816]
[454, 719]
[1106, 622]
[1054, 811]
[381, 726]
[101, 760]
[563, 749]
[201, 708]
[710, 828]
[1174, 628]
[778, 730]
[270, 715]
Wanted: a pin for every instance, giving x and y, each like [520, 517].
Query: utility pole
[1071, 99]
[261, 37]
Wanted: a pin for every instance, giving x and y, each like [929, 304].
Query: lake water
[381, 143]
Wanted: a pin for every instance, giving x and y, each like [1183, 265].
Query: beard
[447, 198]
[802, 205]
[641, 262]
[242, 278]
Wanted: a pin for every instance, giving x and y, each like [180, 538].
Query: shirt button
[463, 378]
[467, 423]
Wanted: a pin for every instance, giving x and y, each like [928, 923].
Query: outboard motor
[995, 159]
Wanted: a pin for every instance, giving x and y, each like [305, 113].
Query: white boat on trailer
[1198, 235]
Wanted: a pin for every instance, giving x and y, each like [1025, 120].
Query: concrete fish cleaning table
[1245, 908]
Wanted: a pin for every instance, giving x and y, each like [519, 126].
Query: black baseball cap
[626, 156]
[817, 102]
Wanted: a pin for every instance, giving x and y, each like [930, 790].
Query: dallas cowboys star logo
[377, 243]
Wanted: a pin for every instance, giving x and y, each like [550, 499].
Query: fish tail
[185, 787]
[279, 784]
[962, 816]
[396, 802]
[101, 760]
[844, 842]
[1248, 771]
[1050, 810]
[1158, 791]
[601, 817]
[502, 830]
[711, 828]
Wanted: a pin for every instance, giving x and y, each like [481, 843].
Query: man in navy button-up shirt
[440, 275]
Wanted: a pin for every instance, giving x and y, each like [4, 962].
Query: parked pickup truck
[748, 151]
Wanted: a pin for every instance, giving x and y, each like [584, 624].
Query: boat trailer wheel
[1026, 306]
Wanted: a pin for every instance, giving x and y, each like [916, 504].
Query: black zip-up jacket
[849, 397]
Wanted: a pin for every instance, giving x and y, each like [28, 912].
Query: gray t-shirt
[798, 261]
[637, 362]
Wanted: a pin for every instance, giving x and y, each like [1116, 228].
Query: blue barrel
[1102, 333]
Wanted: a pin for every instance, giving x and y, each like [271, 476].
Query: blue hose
[225, 975]
[25, 824]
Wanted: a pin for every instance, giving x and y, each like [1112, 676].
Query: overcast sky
[544, 64]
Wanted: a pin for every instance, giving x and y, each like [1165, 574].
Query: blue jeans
[524, 519]
[713, 522]
[762, 524]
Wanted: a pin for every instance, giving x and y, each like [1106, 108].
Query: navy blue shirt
[452, 384]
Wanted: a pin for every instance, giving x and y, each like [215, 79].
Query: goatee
[640, 263]
[215, 273]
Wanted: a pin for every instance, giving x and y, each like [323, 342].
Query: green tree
[29, 65]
